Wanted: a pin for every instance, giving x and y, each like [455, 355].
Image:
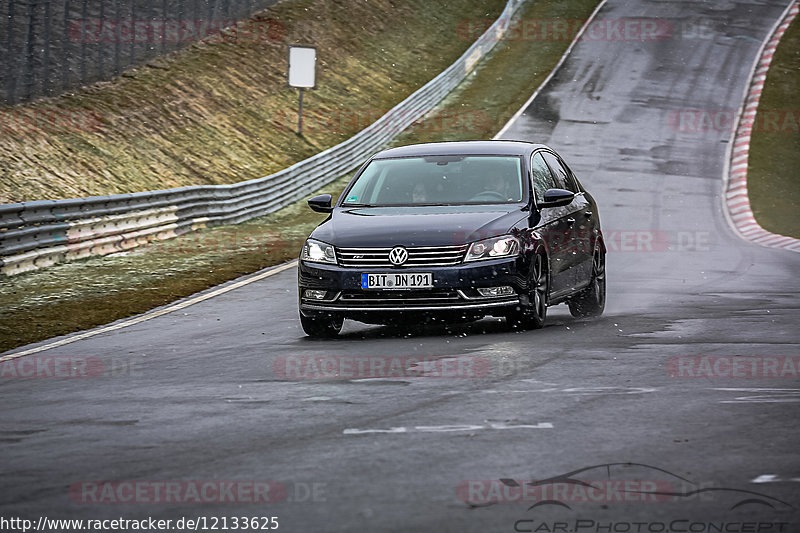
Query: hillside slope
[221, 112]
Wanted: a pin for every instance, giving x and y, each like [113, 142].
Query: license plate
[406, 280]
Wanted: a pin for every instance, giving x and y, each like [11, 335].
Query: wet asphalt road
[199, 394]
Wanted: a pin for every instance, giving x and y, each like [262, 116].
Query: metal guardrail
[42, 233]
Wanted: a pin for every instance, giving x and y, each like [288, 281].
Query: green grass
[773, 181]
[58, 300]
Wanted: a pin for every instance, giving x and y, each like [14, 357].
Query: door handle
[588, 214]
[570, 221]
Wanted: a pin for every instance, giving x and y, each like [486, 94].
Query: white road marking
[448, 428]
[364, 431]
[772, 478]
[764, 478]
[531, 380]
[763, 395]
[578, 390]
[154, 314]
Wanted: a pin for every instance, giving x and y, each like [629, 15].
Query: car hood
[416, 226]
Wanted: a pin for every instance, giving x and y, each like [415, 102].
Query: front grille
[419, 256]
[400, 297]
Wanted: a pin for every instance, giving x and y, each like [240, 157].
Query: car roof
[461, 148]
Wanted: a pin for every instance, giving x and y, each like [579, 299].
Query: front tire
[322, 326]
[591, 301]
[533, 315]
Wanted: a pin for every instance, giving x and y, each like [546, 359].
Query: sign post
[302, 74]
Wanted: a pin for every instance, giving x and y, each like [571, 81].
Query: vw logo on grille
[398, 255]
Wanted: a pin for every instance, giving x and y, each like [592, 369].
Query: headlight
[318, 252]
[494, 248]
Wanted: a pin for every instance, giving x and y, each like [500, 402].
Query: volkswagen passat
[454, 231]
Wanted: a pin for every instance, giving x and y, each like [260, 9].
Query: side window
[572, 179]
[563, 178]
[542, 177]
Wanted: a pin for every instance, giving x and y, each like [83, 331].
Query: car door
[577, 219]
[587, 224]
[552, 225]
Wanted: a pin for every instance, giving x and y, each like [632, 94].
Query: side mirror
[557, 198]
[321, 203]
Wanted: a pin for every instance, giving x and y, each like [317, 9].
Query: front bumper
[454, 291]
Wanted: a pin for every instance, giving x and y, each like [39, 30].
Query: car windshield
[438, 180]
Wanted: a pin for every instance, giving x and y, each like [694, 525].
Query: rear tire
[533, 315]
[322, 326]
[591, 301]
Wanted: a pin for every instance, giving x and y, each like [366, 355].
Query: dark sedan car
[454, 231]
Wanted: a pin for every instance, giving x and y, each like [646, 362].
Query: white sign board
[302, 66]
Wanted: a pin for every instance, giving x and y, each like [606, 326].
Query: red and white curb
[737, 202]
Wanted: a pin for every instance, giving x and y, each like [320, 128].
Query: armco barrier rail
[42, 233]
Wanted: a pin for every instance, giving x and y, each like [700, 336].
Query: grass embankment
[220, 111]
[773, 182]
[79, 295]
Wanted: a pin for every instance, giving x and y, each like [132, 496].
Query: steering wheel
[488, 195]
